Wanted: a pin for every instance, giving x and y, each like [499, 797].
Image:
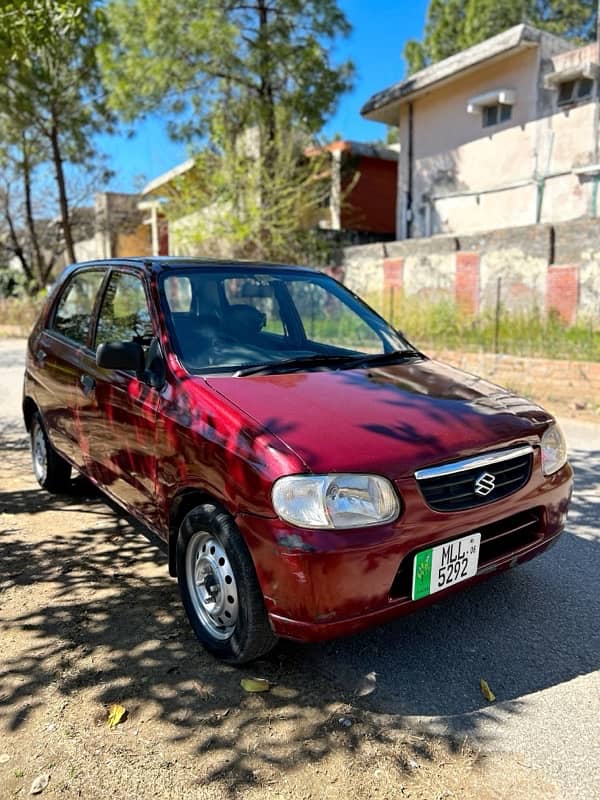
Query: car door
[118, 409]
[57, 355]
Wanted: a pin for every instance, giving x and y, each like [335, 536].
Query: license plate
[442, 566]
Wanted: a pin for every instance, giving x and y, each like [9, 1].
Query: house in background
[502, 134]
[360, 207]
[112, 227]
[118, 229]
[362, 197]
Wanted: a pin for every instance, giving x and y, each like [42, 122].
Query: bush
[13, 282]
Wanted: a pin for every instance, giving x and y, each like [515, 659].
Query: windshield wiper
[373, 359]
[317, 360]
[323, 359]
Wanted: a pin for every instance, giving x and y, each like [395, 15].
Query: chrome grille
[475, 481]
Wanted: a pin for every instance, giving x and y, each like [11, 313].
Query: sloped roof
[158, 183]
[382, 106]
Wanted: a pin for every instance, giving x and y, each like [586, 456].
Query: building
[502, 134]
[360, 205]
[118, 229]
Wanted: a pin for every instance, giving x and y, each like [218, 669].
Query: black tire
[52, 472]
[213, 562]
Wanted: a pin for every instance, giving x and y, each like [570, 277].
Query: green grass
[442, 325]
[19, 313]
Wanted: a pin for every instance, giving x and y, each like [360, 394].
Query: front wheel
[219, 588]
[52, 472]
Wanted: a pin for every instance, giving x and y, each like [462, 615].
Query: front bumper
[323, 584]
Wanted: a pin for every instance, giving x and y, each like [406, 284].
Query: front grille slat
[455, 490]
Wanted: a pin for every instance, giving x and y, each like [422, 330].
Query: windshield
[229, 319]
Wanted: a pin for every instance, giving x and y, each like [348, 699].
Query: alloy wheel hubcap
[212, 585]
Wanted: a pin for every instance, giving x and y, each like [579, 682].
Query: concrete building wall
[543, 267]
[467, 178]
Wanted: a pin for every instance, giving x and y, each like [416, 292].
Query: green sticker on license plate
[443, 566]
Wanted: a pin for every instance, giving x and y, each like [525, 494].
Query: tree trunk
[62, 193]
[16, 245]
[268, 125]
[39, 258]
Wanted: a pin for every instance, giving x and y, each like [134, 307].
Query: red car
[310, 472]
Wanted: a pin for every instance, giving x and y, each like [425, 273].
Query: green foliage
[453, 25]
[49, 70]
[50, 84]
[222, 207]
[12, 282]
[195, 58]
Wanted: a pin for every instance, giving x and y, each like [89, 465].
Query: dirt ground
[89, 617]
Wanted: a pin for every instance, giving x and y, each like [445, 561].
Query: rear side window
[74, 310]
[124, 315]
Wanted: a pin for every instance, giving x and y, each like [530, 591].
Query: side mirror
[121, 355]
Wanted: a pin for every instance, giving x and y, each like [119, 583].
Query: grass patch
[17, 314]
[443, 325]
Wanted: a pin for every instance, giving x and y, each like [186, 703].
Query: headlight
[554, 450]
[335, 501]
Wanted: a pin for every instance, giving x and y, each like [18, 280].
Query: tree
[243, 58]
[219, 207]
[50, 86]
[224, 70]
[453, 25]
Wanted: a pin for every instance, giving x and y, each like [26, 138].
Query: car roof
[157, 264]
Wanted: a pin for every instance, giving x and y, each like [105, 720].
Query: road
[532, 633]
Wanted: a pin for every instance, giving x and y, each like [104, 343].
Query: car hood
[389, 420]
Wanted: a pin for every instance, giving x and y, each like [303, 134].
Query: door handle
[88, 384]
[41, 356]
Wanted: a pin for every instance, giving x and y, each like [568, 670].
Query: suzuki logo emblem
[485, 484]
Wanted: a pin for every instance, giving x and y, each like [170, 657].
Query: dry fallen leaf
[116, 714]
[255, 685]
[40, 783]
[367, 684]
[486, 691]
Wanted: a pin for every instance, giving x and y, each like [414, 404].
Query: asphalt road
[532, 633]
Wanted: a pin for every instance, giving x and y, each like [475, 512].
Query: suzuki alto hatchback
[310, 472]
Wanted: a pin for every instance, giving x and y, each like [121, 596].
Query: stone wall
[533, 267]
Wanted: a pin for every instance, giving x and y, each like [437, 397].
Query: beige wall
[468, 178]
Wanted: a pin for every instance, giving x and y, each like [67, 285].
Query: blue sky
[380, 29]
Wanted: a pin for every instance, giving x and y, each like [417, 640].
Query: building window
[574, 90]
[494, 115]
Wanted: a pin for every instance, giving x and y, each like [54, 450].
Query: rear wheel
[219, 587]
[52, 472]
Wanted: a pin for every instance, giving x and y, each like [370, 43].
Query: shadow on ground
[108, 625]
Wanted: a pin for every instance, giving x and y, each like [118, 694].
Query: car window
[328, 320]
[74, 310]
[256, 293]
[124, 314]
